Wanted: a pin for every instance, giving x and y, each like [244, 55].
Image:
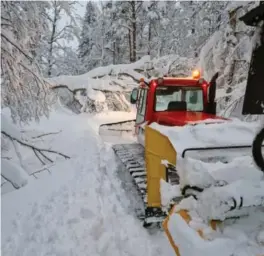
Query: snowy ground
[81, 208]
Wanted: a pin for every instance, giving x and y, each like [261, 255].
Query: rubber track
[132, 156]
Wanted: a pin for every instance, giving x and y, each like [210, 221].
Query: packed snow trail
[81, 208]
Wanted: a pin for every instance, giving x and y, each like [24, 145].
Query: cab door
[141, 113]
[141, 106]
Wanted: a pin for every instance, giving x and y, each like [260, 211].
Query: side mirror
[212, 88]
[133, 96]
[211, 107]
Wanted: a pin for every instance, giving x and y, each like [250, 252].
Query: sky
[80, 7]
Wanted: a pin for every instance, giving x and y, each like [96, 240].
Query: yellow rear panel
[157, 148]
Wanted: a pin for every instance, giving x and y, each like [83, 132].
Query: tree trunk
[114, 53]
[149, 38]
[130, 46]
[51, 42]
[134, 31]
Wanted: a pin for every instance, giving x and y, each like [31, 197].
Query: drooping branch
[9, 180]
[36, 154]
[12, 41]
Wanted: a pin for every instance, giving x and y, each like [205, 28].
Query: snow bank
[201, 174]
[194, 173]
[228, 133]
[8, 126]
[14, 173]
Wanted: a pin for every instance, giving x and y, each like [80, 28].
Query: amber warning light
[142, 83]
[196, 74]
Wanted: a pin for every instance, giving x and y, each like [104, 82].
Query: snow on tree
[53, 48]
[68, 61]
[124, 31]
[229, 51]
[117, 33]
[23, 89]
[128, 18]
[87, 47]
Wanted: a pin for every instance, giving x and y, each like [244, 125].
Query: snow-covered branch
[12, 41]
[36, 149]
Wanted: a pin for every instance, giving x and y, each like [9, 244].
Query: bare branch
[16, 187]
[39, 150]
[46, 157]
[45, 134]
[36, 154]
[44, 168]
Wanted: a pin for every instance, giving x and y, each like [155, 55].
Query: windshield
[173, 98]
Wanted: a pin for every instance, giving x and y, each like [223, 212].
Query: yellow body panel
[157, 148]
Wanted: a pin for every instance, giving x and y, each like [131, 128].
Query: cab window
[167, 96]
[142, 104]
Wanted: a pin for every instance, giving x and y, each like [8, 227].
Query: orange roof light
[142, 82]
[196, 74]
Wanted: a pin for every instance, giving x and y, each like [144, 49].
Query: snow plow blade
[117, 128]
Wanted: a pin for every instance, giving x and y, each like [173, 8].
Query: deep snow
[80, 208]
